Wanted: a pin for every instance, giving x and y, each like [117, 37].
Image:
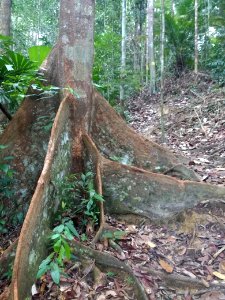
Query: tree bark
[123, 53]
[196, 38]
[150, 46]
[162, 46]
[5, 17]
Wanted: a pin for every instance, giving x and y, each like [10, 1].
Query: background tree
[150, 61]
[5, 20]
[196, 37]
[123, 52]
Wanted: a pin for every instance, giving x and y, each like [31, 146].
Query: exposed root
[159, 197]
[115, 246]
[107, 260]
[96, 160]
[180, 281]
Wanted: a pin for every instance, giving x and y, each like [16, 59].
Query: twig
[215, 255]
[200, 122]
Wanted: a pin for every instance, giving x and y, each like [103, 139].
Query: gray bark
[196, 37]
[162, 69]
[150, 45]
[5, 17]
[123, 50]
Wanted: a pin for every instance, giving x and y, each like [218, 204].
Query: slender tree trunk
[150, 46]
[172, 7]
[196, 37]
[162, 69]
[5, 17]
[123, 52]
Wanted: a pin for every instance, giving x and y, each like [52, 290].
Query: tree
[87, 134]
[123, 52]
[5, 20]
[150, 63]
[162, 46]
[196, 37]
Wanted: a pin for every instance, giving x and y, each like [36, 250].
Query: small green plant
[6, 189]
[86, 204]
[89, 199]
[54, 263]
[110, 274]
[129, 280]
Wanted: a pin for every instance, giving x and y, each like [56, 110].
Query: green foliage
[78, 196]
[6, 190]
[60, 236]
[65, 231]
[106, 71]
[17, 73]
[89, 199]
[38, 54]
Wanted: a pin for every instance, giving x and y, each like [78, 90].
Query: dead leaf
[151, 245]
[34, 290]
[219, 275]
[111, 293]
[222, 267]
[166, 266]
[181, 250]
[131, 229]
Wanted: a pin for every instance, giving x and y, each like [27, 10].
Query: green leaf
[55, 236]
[57, 245]
[92, 193]
[55, 272]
[42, 271]
[61, 255]
[83, 177]
[59, 228]
[68, 234]
[98, 197]
[89, 204]
[72, 228]
[67, 250]
[4, 167]
[46, 261]
[38, 54]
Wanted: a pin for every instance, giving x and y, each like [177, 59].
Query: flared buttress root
[158, 197]
[95, 159]
[117, 141]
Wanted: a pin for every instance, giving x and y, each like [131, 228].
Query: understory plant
[6, 190]
[61, 250]
[19, 72]
[78, 199]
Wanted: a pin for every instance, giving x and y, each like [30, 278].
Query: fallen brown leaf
[166, 266]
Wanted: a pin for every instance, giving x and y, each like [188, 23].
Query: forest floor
[194, 246]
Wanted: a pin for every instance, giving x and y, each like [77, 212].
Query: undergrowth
[78, 210]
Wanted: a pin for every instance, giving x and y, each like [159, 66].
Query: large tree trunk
[87, 132]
